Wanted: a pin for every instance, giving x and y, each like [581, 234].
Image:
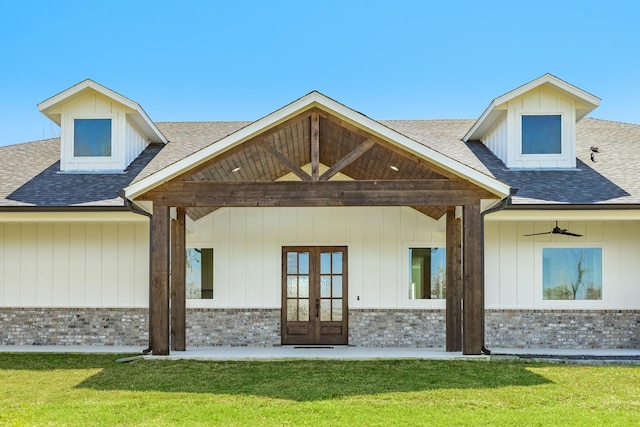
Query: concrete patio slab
[342, 353]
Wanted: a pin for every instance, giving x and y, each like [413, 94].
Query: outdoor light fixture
[395, 168]
[236, 169]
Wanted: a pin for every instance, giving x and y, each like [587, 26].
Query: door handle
[317, 307]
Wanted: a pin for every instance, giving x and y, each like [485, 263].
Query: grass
[80, 389]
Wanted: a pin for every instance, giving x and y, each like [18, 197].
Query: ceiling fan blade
[537, 234]
[567, 233]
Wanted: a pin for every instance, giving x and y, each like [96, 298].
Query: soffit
[584, 103]
[254, 161]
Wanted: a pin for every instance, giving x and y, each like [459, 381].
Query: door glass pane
[292, 286]
[292, 310]
[325, 263]
[303, 286]
[303, 312]
[337, 262]
[292, 263]
[336, 310]
[337, 286]
[325, 286]
[303, 263]
[325, 310]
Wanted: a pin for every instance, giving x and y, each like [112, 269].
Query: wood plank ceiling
[289, 146]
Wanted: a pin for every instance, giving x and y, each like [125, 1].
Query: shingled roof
[30, 177]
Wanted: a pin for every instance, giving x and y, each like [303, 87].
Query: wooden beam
[257, 140]
[454, 282]
[315, 146]
[178, 288]
[322, 193]
[473, 293]
[159, 309]
[287, 162]
[394, 148]
[347, 160]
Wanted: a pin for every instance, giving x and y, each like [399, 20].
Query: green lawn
[85, 390]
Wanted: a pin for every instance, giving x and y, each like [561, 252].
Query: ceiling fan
[556, 230]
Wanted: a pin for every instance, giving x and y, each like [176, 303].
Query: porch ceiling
[317, 138]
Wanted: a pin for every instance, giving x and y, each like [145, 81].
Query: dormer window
[92, 137]
[542, 134]
[100, 130]
[534, 126]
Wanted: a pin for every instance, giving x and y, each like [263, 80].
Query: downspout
[502, 204]
[132, 207]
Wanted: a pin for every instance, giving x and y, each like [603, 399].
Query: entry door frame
[316, 331]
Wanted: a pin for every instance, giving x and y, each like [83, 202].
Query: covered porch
[317, 153]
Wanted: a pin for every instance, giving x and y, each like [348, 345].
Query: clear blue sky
[240, 60]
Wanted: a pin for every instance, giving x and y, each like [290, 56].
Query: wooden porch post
[178, 292]
[473, 292]
[454, 283]
[159, 302]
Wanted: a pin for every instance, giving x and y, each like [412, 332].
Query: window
[199, 273]
[541, 134]
[427, 273]
[572, 273]
[92, 138]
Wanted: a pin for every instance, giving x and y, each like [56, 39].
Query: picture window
[572, 273]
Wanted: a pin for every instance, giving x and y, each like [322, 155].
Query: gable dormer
[100, 130]
[534, 126]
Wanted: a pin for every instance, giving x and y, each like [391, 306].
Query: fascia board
[315, 99]
[70, 216]
[414, 147]
[303, 104]
[485, 120]
[471, 135]
[560, 214]
[153, 133]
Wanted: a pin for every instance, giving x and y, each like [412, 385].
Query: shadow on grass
[308, 380]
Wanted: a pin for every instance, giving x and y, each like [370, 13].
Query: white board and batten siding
[504, 139]
[135, 142]
[248, 243]
[74, 264]
[513, 263]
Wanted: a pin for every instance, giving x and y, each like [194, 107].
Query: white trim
[30, 217]
[315, 99]
[519, 156]
[564, 215]
[543, 304]
[72, 140]
[491, 114]
[152, 132]
[403, 298]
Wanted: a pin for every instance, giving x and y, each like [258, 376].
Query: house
[317, 225]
